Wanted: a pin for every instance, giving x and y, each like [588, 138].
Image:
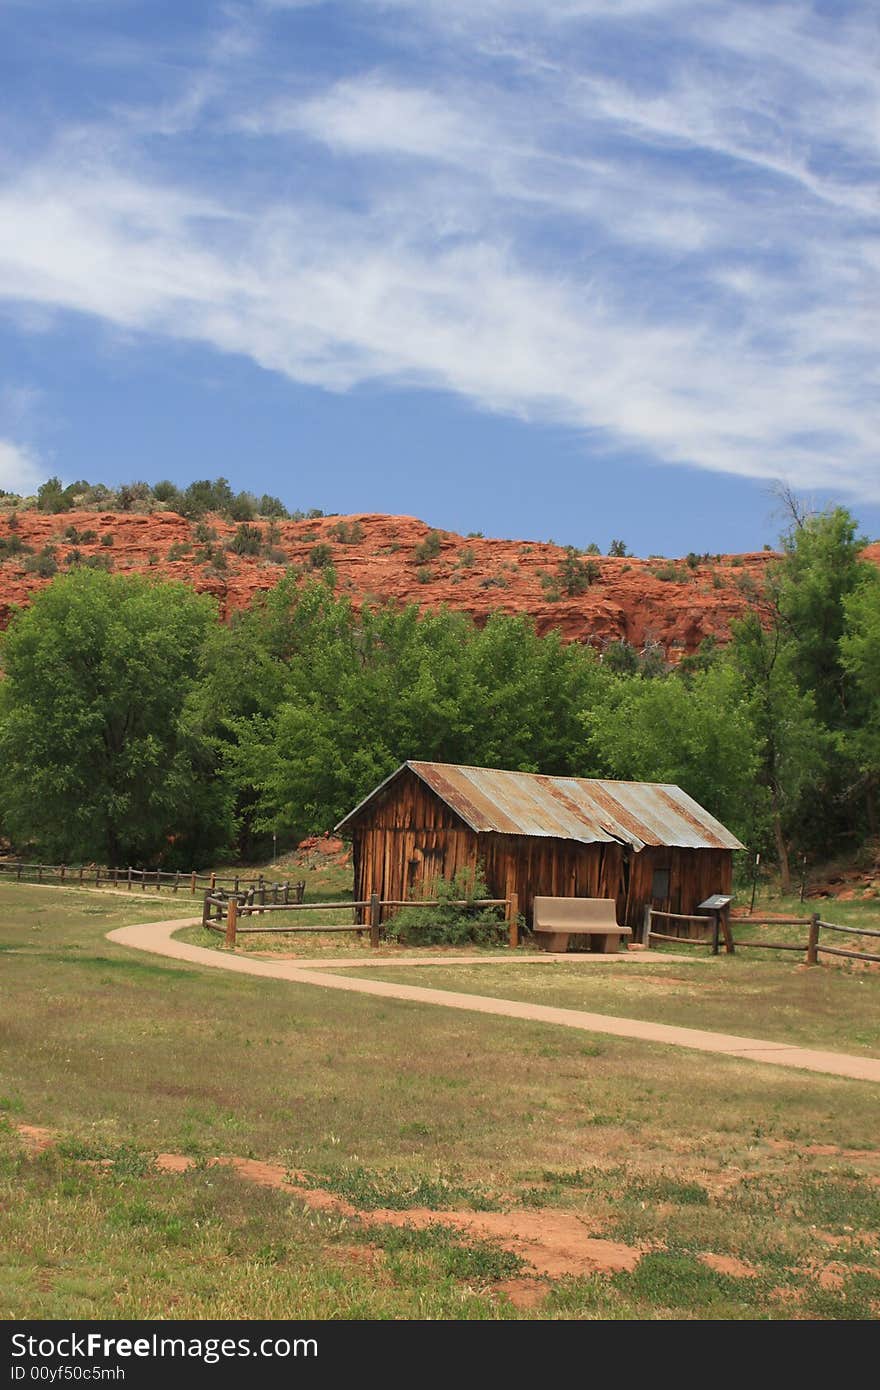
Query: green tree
[169, 493]
[52, 496]
[820, 569]
[806, 600]
[860, 657]
[100, 757]
[793, 746]
[701, 737]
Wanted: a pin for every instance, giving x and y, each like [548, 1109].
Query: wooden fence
[222, 913]
[153, 880]
[812, 948]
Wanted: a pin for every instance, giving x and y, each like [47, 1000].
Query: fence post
[729, 944]
[261, 888]
[143, 874]
[177, 881]
[374, 919]
[213, 881]
[513, 920]
[646, 925]
[716, 931]
[81, 867]
[235, 884]
[193, 884]
[231, 918]
[813, 943]
[39, 873]
[129, 878]
[158, 880]
[62, 873]
[206, 910]
[97, 875]
[287, 892]
[115, 877]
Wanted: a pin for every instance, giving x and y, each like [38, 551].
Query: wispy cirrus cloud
[643, 220]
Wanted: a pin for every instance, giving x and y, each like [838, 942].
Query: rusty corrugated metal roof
[568, 808]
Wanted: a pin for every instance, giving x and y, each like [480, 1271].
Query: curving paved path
[158, 938]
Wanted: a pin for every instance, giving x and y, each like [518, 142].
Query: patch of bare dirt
[822, 1150]
[359, 1254]
[174, 1163]
[523, 1293]
[719, 1183]
[554, 1243]
[728, 1264]
[36, 1139]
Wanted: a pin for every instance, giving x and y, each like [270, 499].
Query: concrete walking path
[158, 938]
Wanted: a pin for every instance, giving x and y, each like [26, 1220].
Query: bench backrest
[600, 914]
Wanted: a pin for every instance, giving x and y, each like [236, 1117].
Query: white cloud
[370, 115]
[20, 469]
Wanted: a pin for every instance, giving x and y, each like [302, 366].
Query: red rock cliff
[676, 603]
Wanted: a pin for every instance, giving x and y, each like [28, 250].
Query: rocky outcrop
[675, 603]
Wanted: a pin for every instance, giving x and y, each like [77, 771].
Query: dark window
[660, 884]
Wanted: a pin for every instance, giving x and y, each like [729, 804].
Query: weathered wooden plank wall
[694, 874]
[531, 865]
[408, 839]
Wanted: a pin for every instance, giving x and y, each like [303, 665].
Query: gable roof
[566, 808]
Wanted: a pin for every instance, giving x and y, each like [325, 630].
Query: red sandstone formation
[674, 603]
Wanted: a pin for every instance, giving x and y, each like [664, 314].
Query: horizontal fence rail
[812, 948]
[716, 920]
[153, 880]
[223, 913]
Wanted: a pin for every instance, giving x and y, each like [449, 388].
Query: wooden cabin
[636, 842]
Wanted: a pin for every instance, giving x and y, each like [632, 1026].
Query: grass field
[734, 1190]
[826, 1008]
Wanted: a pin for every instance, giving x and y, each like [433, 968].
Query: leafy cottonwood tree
[792, 746]
[821, 568]
[699, 735]
[860, 657]
[98, 756]
[808, 594]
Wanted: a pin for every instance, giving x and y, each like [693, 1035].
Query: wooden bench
[557, 920]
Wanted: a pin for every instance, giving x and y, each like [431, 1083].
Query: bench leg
[556, 941]
[605, 943]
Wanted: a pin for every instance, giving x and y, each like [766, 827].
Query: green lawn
[825, 1007]
[390, 1104]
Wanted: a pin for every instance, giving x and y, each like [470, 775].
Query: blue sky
[577, 269]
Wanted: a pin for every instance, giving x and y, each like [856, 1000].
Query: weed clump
[454, 919]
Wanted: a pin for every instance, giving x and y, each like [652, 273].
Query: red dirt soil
[552, 1243]
[629, 600]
